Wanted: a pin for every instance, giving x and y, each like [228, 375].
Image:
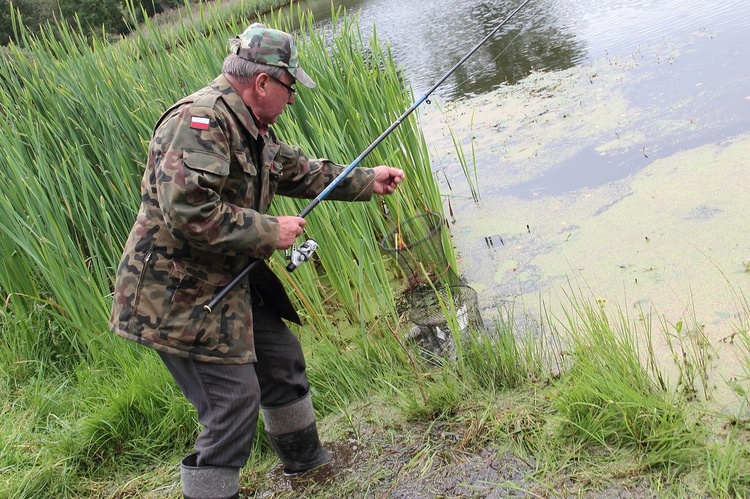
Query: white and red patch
[199, 123]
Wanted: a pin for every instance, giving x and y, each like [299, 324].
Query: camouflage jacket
[209, 180]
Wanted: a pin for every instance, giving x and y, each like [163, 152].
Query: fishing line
[496, 57]
[410, 132]
[351, 205]
[325, 192]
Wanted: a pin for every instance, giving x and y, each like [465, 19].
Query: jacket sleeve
[193, 167]
[305, 178]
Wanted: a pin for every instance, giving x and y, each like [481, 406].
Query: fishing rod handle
[234, 282]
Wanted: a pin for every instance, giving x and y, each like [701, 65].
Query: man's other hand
[387, 179]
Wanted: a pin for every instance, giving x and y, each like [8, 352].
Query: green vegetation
[95, 18]
[573, 403]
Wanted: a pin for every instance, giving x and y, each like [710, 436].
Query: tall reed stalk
[80, 116]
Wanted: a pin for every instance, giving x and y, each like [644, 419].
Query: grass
[603, 422]
[571, 405]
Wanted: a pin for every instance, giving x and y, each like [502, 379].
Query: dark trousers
[228, 397]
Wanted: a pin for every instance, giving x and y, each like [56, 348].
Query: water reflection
[513, 52]
[429, 38]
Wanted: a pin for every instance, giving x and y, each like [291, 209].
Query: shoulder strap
[205, 97]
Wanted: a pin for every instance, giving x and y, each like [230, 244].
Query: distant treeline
[105, 17]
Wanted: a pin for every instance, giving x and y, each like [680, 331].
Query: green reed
[607, 397]
[338, 120]
[73, 151]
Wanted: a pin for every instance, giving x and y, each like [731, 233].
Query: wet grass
[495, 418]
[603, 427]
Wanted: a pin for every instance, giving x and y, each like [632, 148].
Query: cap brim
[302, 77]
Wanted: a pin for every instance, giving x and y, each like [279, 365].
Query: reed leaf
[73, 156]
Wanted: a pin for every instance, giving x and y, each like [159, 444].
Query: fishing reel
[301, 254]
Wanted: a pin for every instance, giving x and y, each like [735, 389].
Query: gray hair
[245, 71]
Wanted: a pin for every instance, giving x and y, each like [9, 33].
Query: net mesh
[435, 300]
[418, 246]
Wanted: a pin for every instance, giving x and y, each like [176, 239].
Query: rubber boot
[293, 434]
[208, 482]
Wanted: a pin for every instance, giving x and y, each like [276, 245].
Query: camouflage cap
[271, 47]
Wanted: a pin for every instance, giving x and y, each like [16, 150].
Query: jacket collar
[230, 96]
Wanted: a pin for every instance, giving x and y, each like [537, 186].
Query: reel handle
[301, 254]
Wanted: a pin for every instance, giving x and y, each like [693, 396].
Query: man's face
[276, 96]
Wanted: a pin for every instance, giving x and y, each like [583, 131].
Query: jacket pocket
[248, 181]
[188, 289]
[206, 162]
[274, 176]
[139, 285]
[224, 332]
[247, 165]
[275, 169]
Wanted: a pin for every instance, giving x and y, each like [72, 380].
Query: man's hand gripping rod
[302, 256]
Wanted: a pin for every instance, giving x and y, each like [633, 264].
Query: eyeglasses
[291, 89]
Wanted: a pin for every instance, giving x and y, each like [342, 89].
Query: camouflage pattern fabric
[209, 180]
[273, 48]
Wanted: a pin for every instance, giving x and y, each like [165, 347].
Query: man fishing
[214, 165]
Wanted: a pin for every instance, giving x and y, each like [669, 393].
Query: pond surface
[608, 147]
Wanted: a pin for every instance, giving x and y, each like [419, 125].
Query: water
[611, 142]
[709, 84]
[429, 37]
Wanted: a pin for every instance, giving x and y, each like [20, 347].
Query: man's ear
[260, 84]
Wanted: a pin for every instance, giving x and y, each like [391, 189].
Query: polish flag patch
[199, 123]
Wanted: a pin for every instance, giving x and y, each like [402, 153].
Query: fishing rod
[305, 251]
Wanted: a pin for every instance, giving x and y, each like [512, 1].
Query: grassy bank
[556, 406]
